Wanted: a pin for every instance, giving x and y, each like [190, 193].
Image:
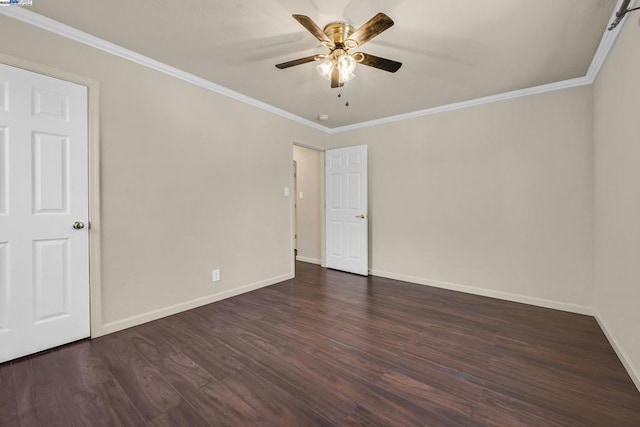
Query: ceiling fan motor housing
[339, 32]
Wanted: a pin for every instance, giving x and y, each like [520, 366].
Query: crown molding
[606, 43]
[581, 81]
[53, 26]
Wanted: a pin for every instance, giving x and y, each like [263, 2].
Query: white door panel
[4, 169]
[44, 261]
[4, 286]
[346, 209]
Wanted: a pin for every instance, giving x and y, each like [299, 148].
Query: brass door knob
[78, 225]
[361, 216]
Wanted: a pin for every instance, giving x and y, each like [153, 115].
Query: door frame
[93, 144]
[323, 237]
[295, 208]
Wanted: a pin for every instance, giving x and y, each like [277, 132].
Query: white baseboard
[540, 302]
[622, 355]
[149, 316]
[309, 260]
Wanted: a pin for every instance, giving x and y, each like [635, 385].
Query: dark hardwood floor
[330, 348]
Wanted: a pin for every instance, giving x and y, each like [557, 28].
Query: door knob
[78, 225]
[361, 216]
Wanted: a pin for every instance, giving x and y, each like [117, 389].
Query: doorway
[307, 204]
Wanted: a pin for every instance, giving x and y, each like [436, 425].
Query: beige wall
[617, 196]
[308, 221]
[497, 198]
[191, 181]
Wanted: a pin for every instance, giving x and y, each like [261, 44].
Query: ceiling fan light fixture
[339, 65]
[346, 77]
[345, 63]
[325, 68]
[346, 66]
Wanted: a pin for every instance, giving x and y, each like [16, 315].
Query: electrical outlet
[215, 275]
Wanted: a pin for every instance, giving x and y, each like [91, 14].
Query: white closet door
[44, 260]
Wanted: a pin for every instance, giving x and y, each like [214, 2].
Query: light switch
[301, 195]
[286, 191]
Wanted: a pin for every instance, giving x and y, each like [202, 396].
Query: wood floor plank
[454, 348]
[268, 359]
[93, 389]
[217, 403]
[8, 405]
[548, 389]
[425, 395]
[582, 377]
[180, 415]
[361, 417]
[206, 397]
[145, 386]
[277, 405]
[175, 366]
[498, 410]
[330, 348]
[311, 342]
[327, 372]
[334, 329]
[81, 366]
[218, 361]
[42, 393]
[105, 405]
[607, 375]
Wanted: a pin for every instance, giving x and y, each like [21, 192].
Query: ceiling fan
[340, 37]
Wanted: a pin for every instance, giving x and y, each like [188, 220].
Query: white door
[346, 209]
[44, 261]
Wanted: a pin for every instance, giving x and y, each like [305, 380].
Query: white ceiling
[452, 51]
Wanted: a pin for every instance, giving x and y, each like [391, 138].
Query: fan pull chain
[340, 96]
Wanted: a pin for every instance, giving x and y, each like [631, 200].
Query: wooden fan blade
[297, 62]
[377, 62]
[335, 77]
[313, 28]
[369, 30]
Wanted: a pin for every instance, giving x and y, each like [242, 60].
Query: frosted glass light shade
[346, 64]
[325, 68]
